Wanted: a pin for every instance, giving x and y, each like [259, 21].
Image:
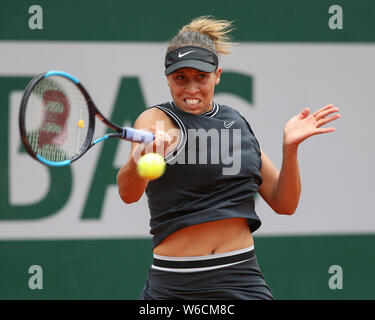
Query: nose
[192, 87]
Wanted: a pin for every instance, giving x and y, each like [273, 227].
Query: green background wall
[294, 267]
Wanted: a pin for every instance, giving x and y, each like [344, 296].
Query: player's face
[193, 90]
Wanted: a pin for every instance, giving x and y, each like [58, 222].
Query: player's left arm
[281, 190]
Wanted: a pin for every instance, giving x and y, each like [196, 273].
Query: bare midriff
[207, 238]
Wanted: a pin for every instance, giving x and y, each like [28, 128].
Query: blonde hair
[205, 32]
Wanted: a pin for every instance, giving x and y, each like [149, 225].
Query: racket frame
[120, 132]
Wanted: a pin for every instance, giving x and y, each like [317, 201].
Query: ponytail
[205, 32]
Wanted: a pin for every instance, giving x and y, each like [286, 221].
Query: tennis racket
[57, 120]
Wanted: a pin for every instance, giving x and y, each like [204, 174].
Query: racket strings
[56, 119]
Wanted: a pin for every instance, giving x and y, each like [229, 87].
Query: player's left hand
[305, 125]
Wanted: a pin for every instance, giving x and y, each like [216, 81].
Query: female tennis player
[202, 212]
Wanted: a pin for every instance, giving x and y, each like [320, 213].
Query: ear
[217, 74]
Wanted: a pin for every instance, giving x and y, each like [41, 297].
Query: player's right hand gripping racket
[57, 120]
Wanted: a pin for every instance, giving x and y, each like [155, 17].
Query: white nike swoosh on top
[180, 55]
[228, 124]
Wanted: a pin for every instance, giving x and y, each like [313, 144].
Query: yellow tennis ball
[151, 166]
[81, 123]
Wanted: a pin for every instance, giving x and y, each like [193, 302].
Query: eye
[180, 77]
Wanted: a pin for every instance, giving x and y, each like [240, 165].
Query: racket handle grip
[137, 135]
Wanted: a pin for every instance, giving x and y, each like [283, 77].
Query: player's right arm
[130, 185]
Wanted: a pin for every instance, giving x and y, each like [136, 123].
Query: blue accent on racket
[61, 73]
[100, 139]
[53, 164]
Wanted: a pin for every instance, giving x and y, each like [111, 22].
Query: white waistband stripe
[188, 270]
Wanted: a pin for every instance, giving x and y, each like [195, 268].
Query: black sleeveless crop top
[213, 173]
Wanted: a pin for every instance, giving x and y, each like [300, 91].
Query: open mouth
[192, 101]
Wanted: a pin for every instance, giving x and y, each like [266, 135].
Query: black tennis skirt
[231, 275]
